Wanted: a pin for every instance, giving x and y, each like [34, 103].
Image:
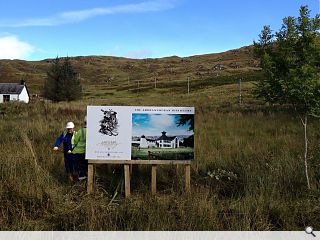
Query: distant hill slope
[117, 72]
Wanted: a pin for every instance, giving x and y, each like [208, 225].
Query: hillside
[111, 73]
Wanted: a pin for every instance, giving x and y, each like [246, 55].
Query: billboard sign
[140, 133]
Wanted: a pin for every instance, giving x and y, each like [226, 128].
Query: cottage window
[6, 98]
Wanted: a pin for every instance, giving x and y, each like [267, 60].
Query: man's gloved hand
[55, 148]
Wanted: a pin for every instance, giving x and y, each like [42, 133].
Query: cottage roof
[11, 88]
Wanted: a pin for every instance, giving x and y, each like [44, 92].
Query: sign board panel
[140, 133]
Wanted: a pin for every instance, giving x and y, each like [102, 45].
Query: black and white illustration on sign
[109, 123]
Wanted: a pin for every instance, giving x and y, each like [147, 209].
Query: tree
[186, 119]
[62, 83]
[290, 60]
[188, 141]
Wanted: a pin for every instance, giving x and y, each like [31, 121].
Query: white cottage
[14, 92]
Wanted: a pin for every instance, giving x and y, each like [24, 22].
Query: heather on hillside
[109, 73]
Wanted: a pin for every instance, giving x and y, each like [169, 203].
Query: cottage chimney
[23, 82]
[163, 133]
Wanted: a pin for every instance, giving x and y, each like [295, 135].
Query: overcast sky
[35, 30]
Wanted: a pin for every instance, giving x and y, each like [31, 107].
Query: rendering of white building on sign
[143, 142]
[162, 142]
[136, 133]
[167, 142]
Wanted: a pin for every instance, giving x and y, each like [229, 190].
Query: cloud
[135, 54]
[81, 15]
[138, 54]
[13, 48]
[162, 120]
[113, 51]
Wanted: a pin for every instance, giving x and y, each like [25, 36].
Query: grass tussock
[247, 174]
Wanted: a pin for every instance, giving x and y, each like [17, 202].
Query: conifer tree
[62, 83]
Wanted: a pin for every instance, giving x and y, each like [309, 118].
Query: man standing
[80, 149]
[67, 138]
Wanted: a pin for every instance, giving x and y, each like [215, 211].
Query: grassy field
[248, 173]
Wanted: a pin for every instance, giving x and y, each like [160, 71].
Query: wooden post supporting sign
[154, 179]
[187, 179]
[90, 184]
[128, 168]
[127, 180]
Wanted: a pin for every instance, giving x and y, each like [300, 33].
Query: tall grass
[247, 173]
